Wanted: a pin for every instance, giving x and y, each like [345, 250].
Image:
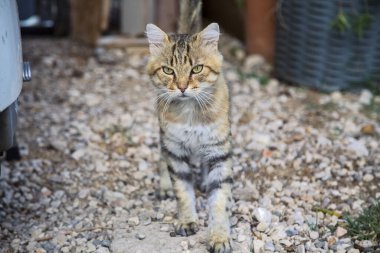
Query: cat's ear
[156, 38]
[210, 36]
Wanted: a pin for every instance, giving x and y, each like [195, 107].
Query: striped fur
[193, 112]
[190, 16]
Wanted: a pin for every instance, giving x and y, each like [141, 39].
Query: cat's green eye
[197, 69]
[168, 71]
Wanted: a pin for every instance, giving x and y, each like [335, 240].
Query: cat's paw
[186, 229]
[165, 194]
[219, 244]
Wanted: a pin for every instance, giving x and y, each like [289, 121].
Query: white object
[10, 54]
[135, 15]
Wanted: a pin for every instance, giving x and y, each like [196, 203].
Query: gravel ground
[88, 178]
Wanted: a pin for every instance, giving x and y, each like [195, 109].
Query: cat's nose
[182, 89]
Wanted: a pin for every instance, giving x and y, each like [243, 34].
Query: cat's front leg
[166, 187]
[218, 183]
[182, 178]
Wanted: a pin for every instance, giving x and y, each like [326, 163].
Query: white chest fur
[192, 136]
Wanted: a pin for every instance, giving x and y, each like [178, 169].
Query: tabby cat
[193, 111]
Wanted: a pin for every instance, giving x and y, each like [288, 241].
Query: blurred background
[327, 45]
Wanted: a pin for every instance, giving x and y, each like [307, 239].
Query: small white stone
[160, 216]
[90, 247]
[365, 97]
[269, 246]
[143, 165]
[339, 232]
[134, 221]
[300, 249]
[140, 236]
[102, 250]
[368, 177]
[263, 215]
[314, 235]
[164, 228]
[184, 245]
[258, 246]
[336, 96]
[262, 226]
[83, 193]
[277, 185]
[241, 238]
[357, 147]
[278, 233]
[298, 218]
[365, 243]
[65, 249]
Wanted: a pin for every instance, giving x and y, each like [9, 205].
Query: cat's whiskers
[170, 96]
[202, 102]
[199, 103]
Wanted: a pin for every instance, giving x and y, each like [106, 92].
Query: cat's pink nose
[182, 89]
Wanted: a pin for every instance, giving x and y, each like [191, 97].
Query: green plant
[367, 225]
[358, 21]
[340, 22]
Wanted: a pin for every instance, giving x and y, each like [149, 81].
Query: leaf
[362, 22]
[340, 22]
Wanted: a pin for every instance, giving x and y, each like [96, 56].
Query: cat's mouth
[183, 96]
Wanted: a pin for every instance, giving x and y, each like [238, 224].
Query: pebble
[160, 216]
[269, 246]
[319, 244]
[291, 232]
[83, 193]
[263, 215]
[262, 226]
[287, 243]
[90, 247]
[365, 244]
[368, 177]
[258, 246]
[102, 250]
[365, 97]
[233, 221]
[357, 147]
[184, 245]
[339, 232]
[40, 250]
[134, 221]
[164, 228]
[241, 238]
[314, 235]
[300, 249]
[140, 236]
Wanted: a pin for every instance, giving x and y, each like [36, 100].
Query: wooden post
[88, 19]
[167, 15]
[260, 27]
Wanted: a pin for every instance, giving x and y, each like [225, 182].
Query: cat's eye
[168, 71]
[197, 69]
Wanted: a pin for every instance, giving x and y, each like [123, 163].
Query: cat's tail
[190, 17]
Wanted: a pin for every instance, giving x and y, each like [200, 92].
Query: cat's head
[184, 66]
